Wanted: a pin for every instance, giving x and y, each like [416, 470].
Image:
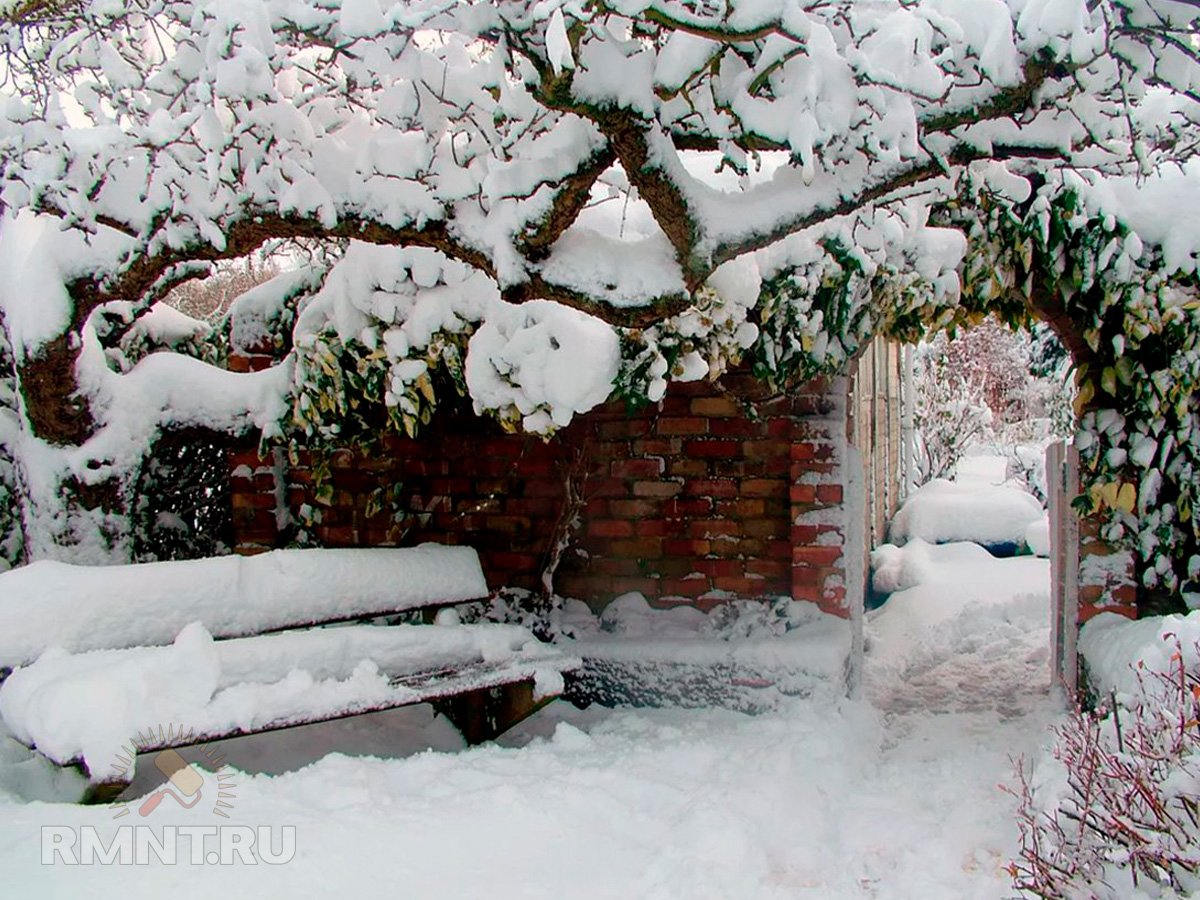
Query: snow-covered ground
[892, 795]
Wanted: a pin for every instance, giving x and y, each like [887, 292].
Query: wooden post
[1062, 486]
[486, 713]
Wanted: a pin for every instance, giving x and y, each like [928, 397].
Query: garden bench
[167, 655]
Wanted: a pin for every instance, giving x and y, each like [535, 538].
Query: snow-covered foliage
[547, 201]
[1116, 812]
[1129, 312]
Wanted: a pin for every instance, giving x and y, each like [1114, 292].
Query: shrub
[1123, 815]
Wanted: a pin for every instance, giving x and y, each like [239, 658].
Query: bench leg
[489, 712]
[102, 792]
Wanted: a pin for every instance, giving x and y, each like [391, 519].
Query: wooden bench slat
[258, 687]
[82, 608]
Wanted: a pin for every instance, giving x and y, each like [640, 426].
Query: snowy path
[891, 797]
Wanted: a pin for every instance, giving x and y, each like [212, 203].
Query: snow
[1118, 650]
[88, 706]
[745, 655]
[546, 361]
[944, 511]
[892, 796]
[1139, 204]
[54, 604]
[1037, 536]
[945, 590]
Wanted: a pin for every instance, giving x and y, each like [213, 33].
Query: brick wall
[715, 492]
[1107, 574]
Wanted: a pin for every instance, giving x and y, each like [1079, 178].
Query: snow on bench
[53, 604]
[108, 658]
[85, 708]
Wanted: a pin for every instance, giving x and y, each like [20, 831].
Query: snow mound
[919, 562]
[744, 655]
[1037, 537]
[1117, 649]
[49, 603]
[942, 511]
[945, 596]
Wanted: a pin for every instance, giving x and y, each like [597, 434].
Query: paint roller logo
[182, 775]
[188, 785]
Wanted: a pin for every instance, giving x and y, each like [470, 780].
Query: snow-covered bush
[987, 384]
[1119, 815]
[180, 508]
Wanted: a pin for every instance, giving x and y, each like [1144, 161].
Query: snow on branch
[481, 129]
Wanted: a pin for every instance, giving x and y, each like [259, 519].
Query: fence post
[1062, 483]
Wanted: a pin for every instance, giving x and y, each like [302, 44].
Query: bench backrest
[48, 604]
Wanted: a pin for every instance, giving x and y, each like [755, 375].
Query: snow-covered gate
[1062, 485]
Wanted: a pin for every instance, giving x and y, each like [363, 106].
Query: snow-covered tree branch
[698, 181]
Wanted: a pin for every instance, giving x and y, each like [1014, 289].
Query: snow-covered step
[87, 707]
[53, 604]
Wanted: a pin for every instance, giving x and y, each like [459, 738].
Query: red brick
[505, 561]
[248, 458]
[713, 449]
[781, 428]
[738, 584]
[637, 468]
[779, 549]
[596, 507]
[657, 446]
[720, 567]
[625, 584]
[669, 425]
[603, 487]
[683, 507]
[817, 556]
[764, 487]
[742, 509]
[713, 528]
[638, 548]
[803, 493]
[716, 407]
[687, 468]
[769, 568]
[253, 501]
[675, 403]
[657, 528]
[766, 528]
[735, 428]
[336, 535]
[711, 487]
[766, 450]
[656, 488]
[624, 428]
[617, 528]
[829, 493]
[686, 547]
[632, 509]
[684, 587]
[250, 549]
[535, 507]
